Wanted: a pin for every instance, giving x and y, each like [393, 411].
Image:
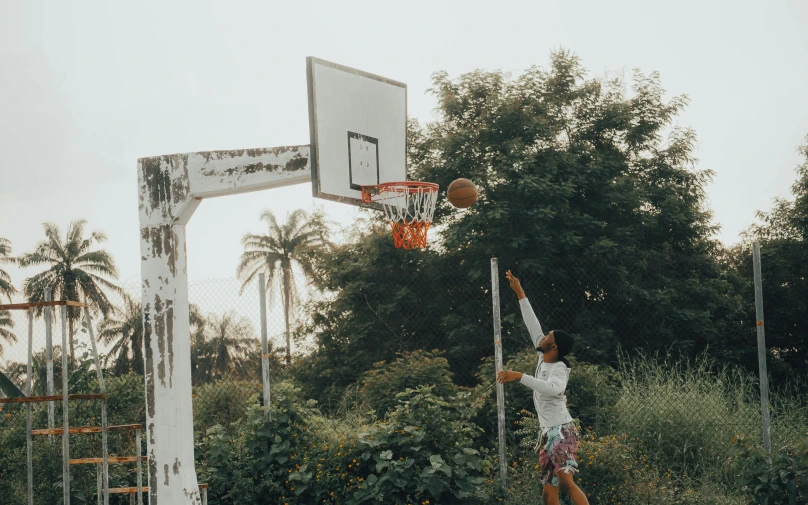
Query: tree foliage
[587, 190]
[75, 271]
[293, 243]
[783, 236]
[7, 288]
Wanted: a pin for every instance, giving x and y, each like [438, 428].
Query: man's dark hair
[564, 342]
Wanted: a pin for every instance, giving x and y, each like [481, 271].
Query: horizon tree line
[221, 344]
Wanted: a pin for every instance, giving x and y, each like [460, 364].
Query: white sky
[86, 88]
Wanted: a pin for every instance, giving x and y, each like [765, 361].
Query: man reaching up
[558, 441]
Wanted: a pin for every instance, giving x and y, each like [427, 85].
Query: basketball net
[409, 207]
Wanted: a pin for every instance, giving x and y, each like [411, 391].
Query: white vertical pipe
[49, 358]
[761, 345]
[28, 390]
[262, 300]
[103, 389]
[503, 466]
[65, 421]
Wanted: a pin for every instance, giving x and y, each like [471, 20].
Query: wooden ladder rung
[54, 398]
[110, 459]
[86, 429]
[119, 490]
[33, 305]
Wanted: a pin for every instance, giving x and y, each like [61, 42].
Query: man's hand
[516, 286]
[508, 375]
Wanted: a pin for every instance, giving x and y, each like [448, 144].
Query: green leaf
[9, 388]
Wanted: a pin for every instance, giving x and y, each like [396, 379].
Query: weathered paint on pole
[262, 299]
[65, 421]
[29, 390]
[761, 345]
[503, 465]
[49, 358]
[102, 389]
[170, 189]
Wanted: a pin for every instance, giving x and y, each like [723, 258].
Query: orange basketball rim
[409, 207]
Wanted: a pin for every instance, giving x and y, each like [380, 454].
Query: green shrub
[783, 480]
[251, 461]
[424, 451]
[410, 370]
[223, 401]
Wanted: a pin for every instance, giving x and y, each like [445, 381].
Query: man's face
[547, 343]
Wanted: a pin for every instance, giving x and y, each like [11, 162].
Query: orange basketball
[462, 193]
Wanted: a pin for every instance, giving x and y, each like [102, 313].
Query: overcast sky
[87, 88]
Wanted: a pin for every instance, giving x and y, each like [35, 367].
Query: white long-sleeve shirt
[550, 380]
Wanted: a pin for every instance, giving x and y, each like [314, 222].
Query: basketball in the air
[462, 193]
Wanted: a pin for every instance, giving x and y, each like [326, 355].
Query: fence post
[503, 466]
[262, 298]
[49, 358]
[29, 391]
[65, 411]
[761, 344]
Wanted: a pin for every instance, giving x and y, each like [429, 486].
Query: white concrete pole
[170, 189]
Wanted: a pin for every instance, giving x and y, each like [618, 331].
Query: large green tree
[783, 235]
[77, 271]
[591, 193]
[587, 190]
[288, 245]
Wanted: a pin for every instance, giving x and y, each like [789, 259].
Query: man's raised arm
[529, 317]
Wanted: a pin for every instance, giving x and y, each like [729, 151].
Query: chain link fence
[656, 357]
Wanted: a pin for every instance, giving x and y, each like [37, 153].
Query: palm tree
[6, 289]
[221, 347]
[6, 323]
[293, 243]
[77, 272]
[125, 333]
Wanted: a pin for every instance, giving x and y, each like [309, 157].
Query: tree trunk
[287, 298]
[70, 336]
[137, 355]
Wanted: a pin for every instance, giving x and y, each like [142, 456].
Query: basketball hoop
[409, 207]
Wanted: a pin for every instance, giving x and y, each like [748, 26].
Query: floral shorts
[558, 451]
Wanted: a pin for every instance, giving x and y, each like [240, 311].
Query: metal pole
[503, 466]
[49, 358]
[103, 389]
[65, 422]
[28, 388]
[262, 299]
[139, 470]
[98, 481]
[761, 344]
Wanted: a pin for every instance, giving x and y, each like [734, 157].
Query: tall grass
[685, 413]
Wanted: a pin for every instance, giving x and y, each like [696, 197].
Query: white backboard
[358, 125]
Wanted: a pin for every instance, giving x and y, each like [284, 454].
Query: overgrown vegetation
[591, 193]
